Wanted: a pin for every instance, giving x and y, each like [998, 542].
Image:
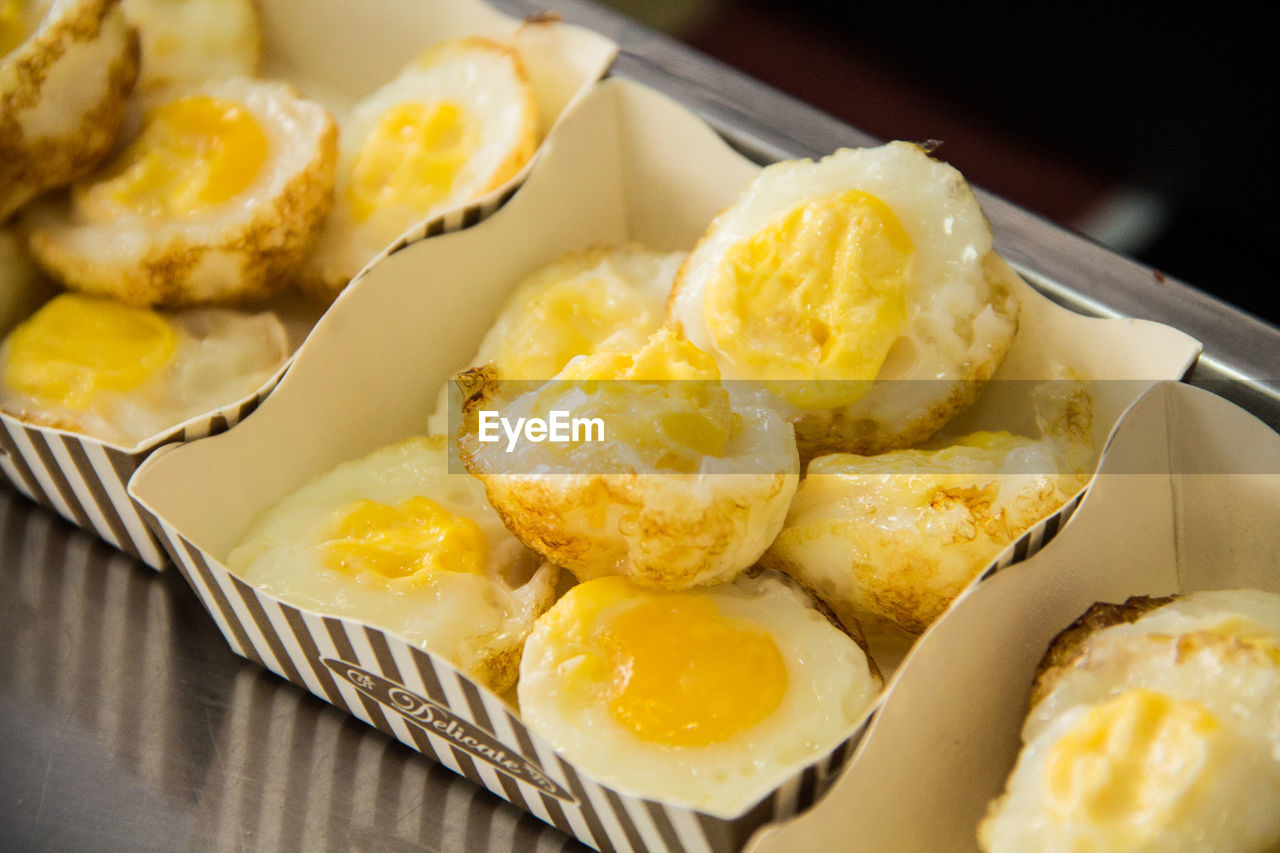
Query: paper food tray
[1186, 500]
[335, 52]
[338, 52]
[627, 164]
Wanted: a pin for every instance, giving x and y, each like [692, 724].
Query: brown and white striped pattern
[452, 220]
[340, 660]
[85, 481]
[414, 696]
[1037, 537]
[299, 779]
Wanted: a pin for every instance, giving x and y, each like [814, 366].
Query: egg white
[830, 687]
[476, 621]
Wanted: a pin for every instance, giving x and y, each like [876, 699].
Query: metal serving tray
[227, 756]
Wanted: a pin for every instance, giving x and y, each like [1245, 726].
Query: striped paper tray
[626, 164]
[84, 479]
[1186, 499]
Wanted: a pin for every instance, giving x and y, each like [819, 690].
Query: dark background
[1149, 133]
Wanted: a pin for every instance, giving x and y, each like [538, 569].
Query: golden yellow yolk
[1127, 762]
[13, 25]
[674, 670]
[411, 158]
[684, 675]
[572, 318]
[77, 346]
[663, 400]
[404, 545]
[665, 357]
[815, 299]
[193, 154]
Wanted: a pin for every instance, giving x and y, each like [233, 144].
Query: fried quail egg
[1143, 771]
[191, 41]
[707, 699]
[216, 199]
[603, 298]
[892, 539]
[459, 121]
[1160, 734]
[1226, 638]
[861, 290]
[66, 68]
[680, 486]
[397, 541]
[124, 374]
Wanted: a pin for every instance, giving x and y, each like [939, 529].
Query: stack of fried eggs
[146, 169]
[711, 645]
[1154, 725]
[836, 317]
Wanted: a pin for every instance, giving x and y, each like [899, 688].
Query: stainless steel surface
[127, 723]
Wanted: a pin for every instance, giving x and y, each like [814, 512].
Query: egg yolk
[13, 25]
[663, 400]
[675, 670]
[573, 318]
[76, 346]
[665, 357]
[193, 154]
[1128, 761]
[412, 158]
[815, 299]
[404, 545]
[685, 675]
